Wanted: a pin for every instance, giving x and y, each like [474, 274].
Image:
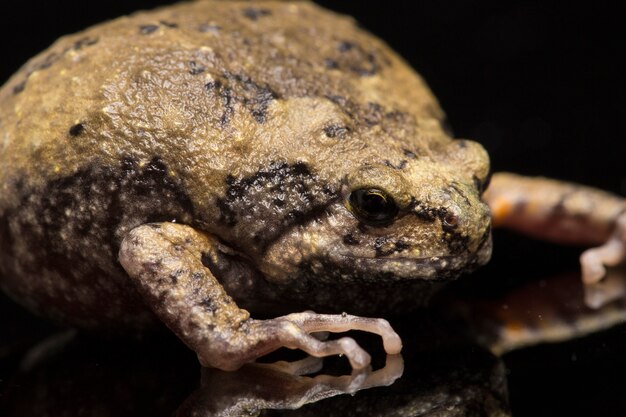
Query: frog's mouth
[431, 268]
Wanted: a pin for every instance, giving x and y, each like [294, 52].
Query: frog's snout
[466, 225]
[458, 221]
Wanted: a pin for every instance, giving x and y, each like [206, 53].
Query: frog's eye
[372, 206]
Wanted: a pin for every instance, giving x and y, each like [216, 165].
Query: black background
[540, 84]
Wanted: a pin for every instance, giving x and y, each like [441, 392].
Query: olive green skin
[252, 122]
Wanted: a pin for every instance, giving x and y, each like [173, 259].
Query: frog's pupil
[373, 206]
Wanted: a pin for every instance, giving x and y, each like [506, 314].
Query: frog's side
[252, 124]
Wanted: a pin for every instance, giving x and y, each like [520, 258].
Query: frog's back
[145, 118]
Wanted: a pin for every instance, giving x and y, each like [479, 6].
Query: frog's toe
[594, 263]
[312, 322]
[306, 366]
[292, 336]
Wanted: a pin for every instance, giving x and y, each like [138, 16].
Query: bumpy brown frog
[207, 159]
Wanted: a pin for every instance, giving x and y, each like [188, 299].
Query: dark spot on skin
[81, 43]
[195, 68]
[363, 114]
[331, 63]
[197, 276]
[170, 25]
[206, 27]
[397, 116]
[409, 154]
[423, 212]
[226, 95]
[248, 205]
[51, 59]
[239, 89]
[154, 267]
[336, 131]
[381, 247]
[400, 165]
[345, 46]
[254, 13]
[349, 239]
[402, 246]
[208, 304]
[18, 88]
[373, 113]
[337, 99]
[449, 221]
[175, 275]
[461, 143]
[48, 61]
[385, 247]
[77, 129]
[148, 29]
[367, 70]
[213, 85]
[375, 107]
[354, 58]
[457, 243]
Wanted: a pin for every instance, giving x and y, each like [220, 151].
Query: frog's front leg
[565, 213]
[166, 261]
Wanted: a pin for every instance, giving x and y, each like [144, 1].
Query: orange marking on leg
[500, 210]
[514, 326]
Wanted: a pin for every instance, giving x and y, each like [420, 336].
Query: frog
[254, 175]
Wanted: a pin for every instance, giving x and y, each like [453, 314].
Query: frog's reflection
[75, 376]
[279, 386]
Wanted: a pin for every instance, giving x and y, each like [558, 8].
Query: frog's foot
[167, 263]
[295, 331]
[594, 264]
[312, 322]
[565, 213]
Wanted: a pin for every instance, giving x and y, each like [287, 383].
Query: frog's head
[422, 221]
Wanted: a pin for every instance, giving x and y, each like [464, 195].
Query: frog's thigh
[564, 213]
[165, 259]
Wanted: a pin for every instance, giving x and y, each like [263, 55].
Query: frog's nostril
[450, 220]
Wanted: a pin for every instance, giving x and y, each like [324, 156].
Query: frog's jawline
[426, 268]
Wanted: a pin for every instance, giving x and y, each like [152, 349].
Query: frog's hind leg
[166, 262]
[566, 213]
